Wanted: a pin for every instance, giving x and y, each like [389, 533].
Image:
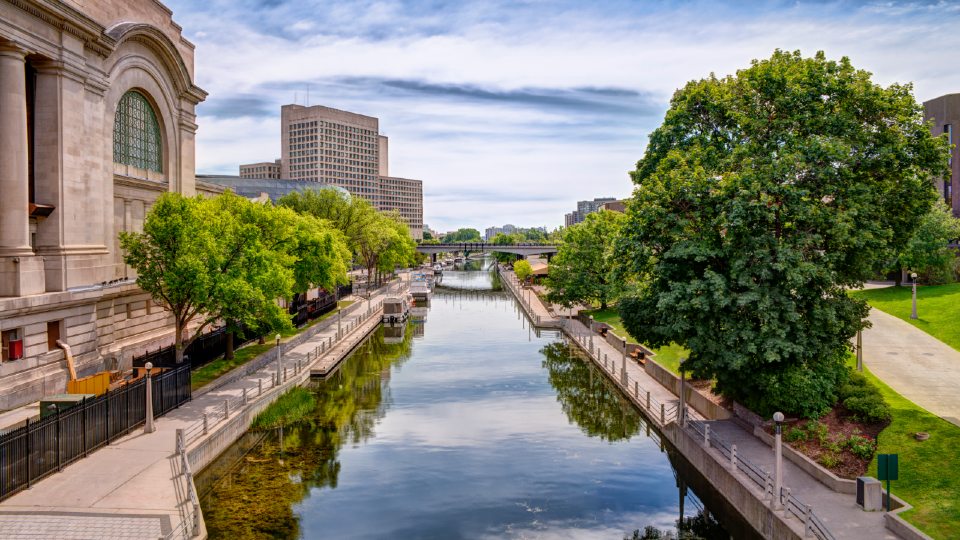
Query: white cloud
[522, 148]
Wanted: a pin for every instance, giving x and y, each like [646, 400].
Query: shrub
[870, 408]
[795, 434]
[862, 447]
[829, 460]
[863, 399]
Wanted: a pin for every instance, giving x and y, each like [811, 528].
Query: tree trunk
[178, 343]
[899, 279]
[228, 354]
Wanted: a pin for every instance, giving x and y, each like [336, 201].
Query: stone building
[267, 169]
[96, 121]
[344, 149]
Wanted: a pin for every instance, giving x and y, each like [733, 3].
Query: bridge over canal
[521, 250]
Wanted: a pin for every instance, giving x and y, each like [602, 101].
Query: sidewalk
[134, 488]
[919, 366]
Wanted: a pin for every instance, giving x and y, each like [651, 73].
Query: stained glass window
[136, 133]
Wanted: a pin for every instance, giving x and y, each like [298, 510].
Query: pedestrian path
[136, 486]
[919, 366]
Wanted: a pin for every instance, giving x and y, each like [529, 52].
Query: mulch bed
[840, 426]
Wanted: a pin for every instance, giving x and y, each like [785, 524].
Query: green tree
[582, 270]
[427, 236]
[928, 252]
[523, 269]
[759, 201]
[502, 239]
[208, 260]
[462, 235]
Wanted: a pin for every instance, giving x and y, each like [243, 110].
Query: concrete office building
[944, 114]
[265, 169]
[584, 208]
[345, 149]
[97, 120]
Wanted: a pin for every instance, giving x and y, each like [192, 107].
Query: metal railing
[38, 449]
[189, 526]
[663, 413]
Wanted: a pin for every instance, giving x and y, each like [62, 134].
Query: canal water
[466, 423]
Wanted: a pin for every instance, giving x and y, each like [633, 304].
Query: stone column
[21, 273]
[14, 220]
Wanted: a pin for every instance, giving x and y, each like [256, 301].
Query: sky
[511, 111]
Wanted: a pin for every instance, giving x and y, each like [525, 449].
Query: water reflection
[482, 428]
[257, 496]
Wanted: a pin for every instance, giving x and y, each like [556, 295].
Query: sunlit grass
[938, 307]
[209, 372]
[929, 470]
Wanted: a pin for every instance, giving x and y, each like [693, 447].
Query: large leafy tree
[209, 260]
[761, 198]
[582, 270]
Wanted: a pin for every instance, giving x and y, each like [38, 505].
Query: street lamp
[279, 361]
[778, 460]
[913, 314]
[148, 426]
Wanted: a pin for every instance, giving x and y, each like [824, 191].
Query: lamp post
[148, 426]
[913, 276]
[279, 362]
[778, 460]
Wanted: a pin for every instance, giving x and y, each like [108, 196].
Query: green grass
[929, 470]
[937, 305]
[208, 373]
[668, 356]
[294, 405]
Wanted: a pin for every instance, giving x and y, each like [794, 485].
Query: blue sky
[512, 111]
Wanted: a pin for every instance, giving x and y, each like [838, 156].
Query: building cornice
[68, 19]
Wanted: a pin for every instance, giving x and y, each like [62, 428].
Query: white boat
[396, 309]
[419, 286]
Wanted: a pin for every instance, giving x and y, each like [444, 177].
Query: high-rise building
[343, 149]
[584, 208]
[944, 114]
[265, 170]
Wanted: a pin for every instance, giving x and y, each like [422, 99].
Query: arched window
[136, 133]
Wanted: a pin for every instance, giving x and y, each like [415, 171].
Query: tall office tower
[331, 146]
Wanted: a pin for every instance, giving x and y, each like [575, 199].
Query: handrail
[663, 413]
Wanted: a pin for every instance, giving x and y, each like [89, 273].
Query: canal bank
[472, 426]
[736, 462]
[142, 485]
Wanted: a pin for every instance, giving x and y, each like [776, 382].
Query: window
[53, 334]
[11, 345]
[136, 133]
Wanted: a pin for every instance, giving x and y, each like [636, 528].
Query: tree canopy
[761, 198]
[928, 252]
[582, 270]
[522, 269]
[462, 235]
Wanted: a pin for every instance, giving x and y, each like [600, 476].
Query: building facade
[404, 196]
[944, 114]
[584, 208]
[96, 121]
[344, 149]
[266, 169]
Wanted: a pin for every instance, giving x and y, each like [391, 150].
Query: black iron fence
[38, 449]
[212, 345]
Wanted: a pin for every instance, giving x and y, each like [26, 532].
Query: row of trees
[761, 199]
[228, 260]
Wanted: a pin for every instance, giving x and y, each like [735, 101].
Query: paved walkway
[135, 488]
[919, 366]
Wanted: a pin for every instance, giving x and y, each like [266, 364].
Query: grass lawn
[929, 470]
[668, 356]
[937, 305]
[207, 373]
